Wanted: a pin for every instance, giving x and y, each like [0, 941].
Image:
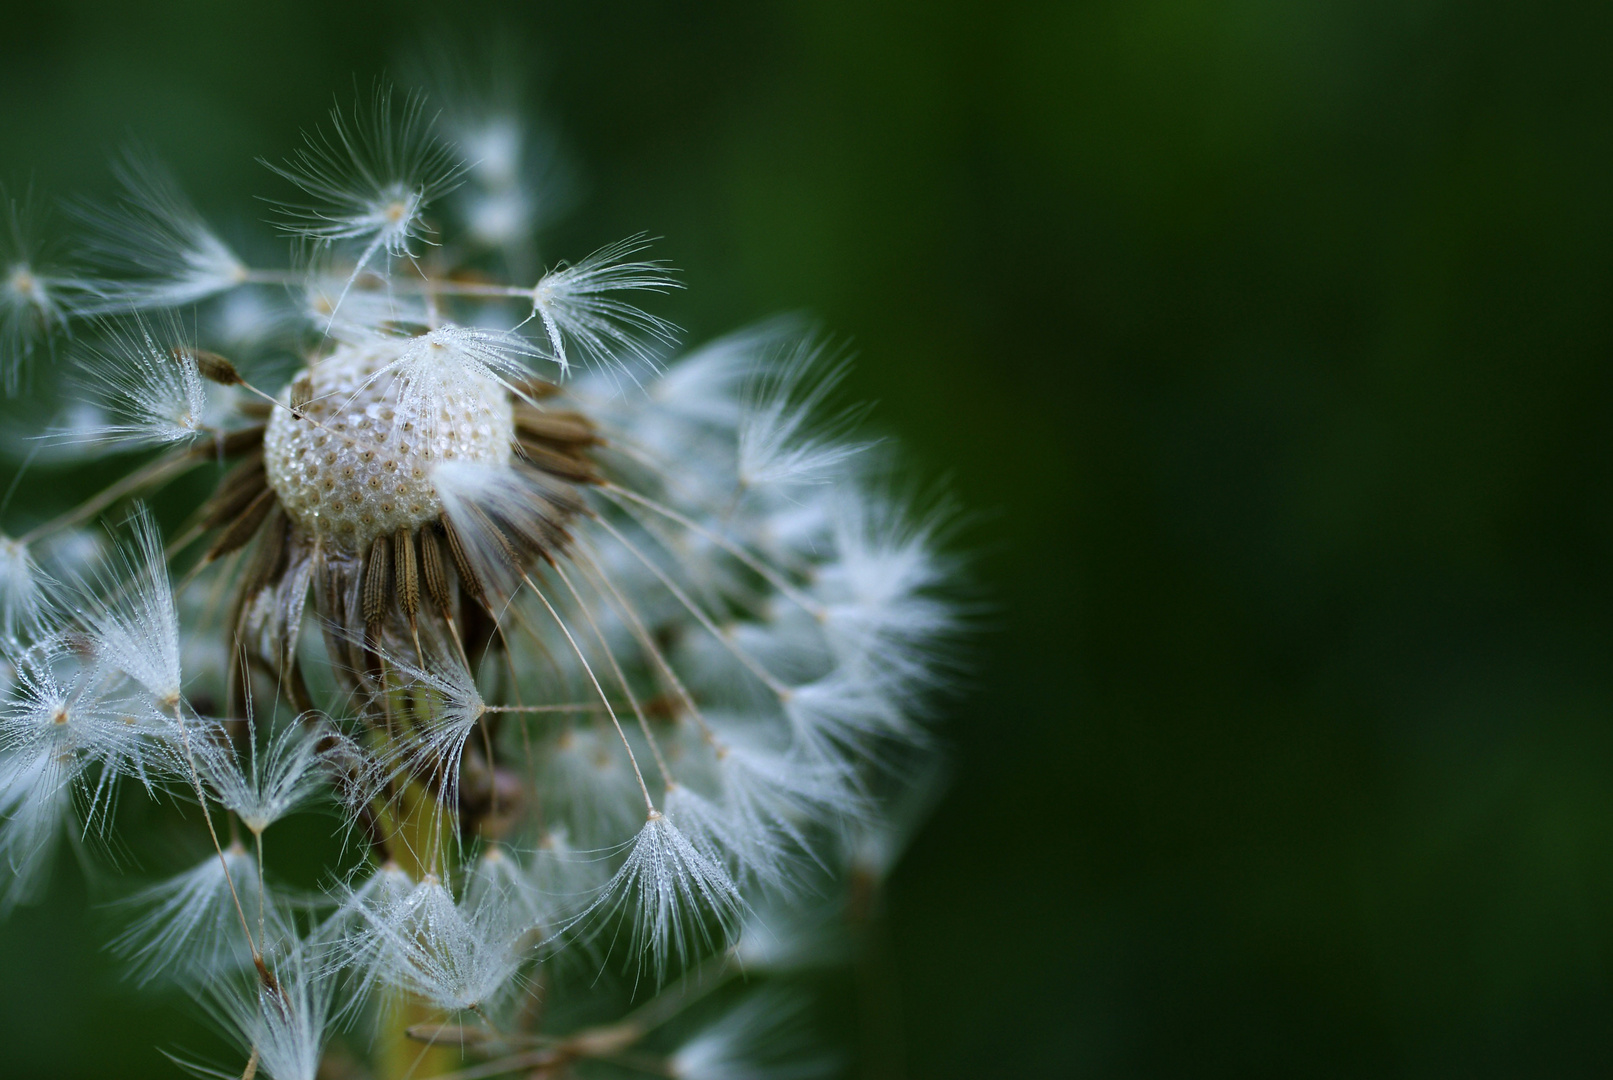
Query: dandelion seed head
[357, 464]
[584, 666]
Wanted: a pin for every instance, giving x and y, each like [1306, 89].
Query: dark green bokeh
[1270, 339]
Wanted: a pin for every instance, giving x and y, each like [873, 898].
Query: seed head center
[359, 466]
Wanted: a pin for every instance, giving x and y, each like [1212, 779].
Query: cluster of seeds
[345, 468]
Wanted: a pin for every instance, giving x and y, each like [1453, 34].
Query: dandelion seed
[845, 713]
[35, 803]
[149, 384]
[374, 177]
[133, 622]
[576, 308]
[455, 956]
[282, 1027]
[452, 707]
[740, 843]
[152, 249]
[881, 603]
[33, 294]
[22, 592]
[762, 1038]
[271, 782]
[677, 900]
[784, 440]
[497, 879]
[70, 719]
[190, 930]
[455, 362]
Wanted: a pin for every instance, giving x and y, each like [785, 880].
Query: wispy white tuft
[777, 798]
[336, 939]
[456, 361]
[447, 711]
[880, 591]
[190, 930]
[271, 782]
[676, 899]
[67, 717]
[147, 382]
[784, 439]
[457, 956]
[740, 843]
[284, 1026]
[498, 879]
[22, 592]
[132, 620]
[847, 711]
[519, 183]
[706, 385]
[153, 248]
[33, 295]
[764, 1037]
[514, 181]
[35, 803]
[577, 309]
[372, 175]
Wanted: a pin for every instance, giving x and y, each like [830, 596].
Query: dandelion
[576, 307]
[373, 177]
[282, 1022]
[152, 248]
[587, 682]
[34, 294]
[153, 389]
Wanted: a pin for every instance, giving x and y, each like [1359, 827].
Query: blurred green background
[1270, 340]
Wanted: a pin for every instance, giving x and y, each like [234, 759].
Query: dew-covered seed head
[354, 462]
